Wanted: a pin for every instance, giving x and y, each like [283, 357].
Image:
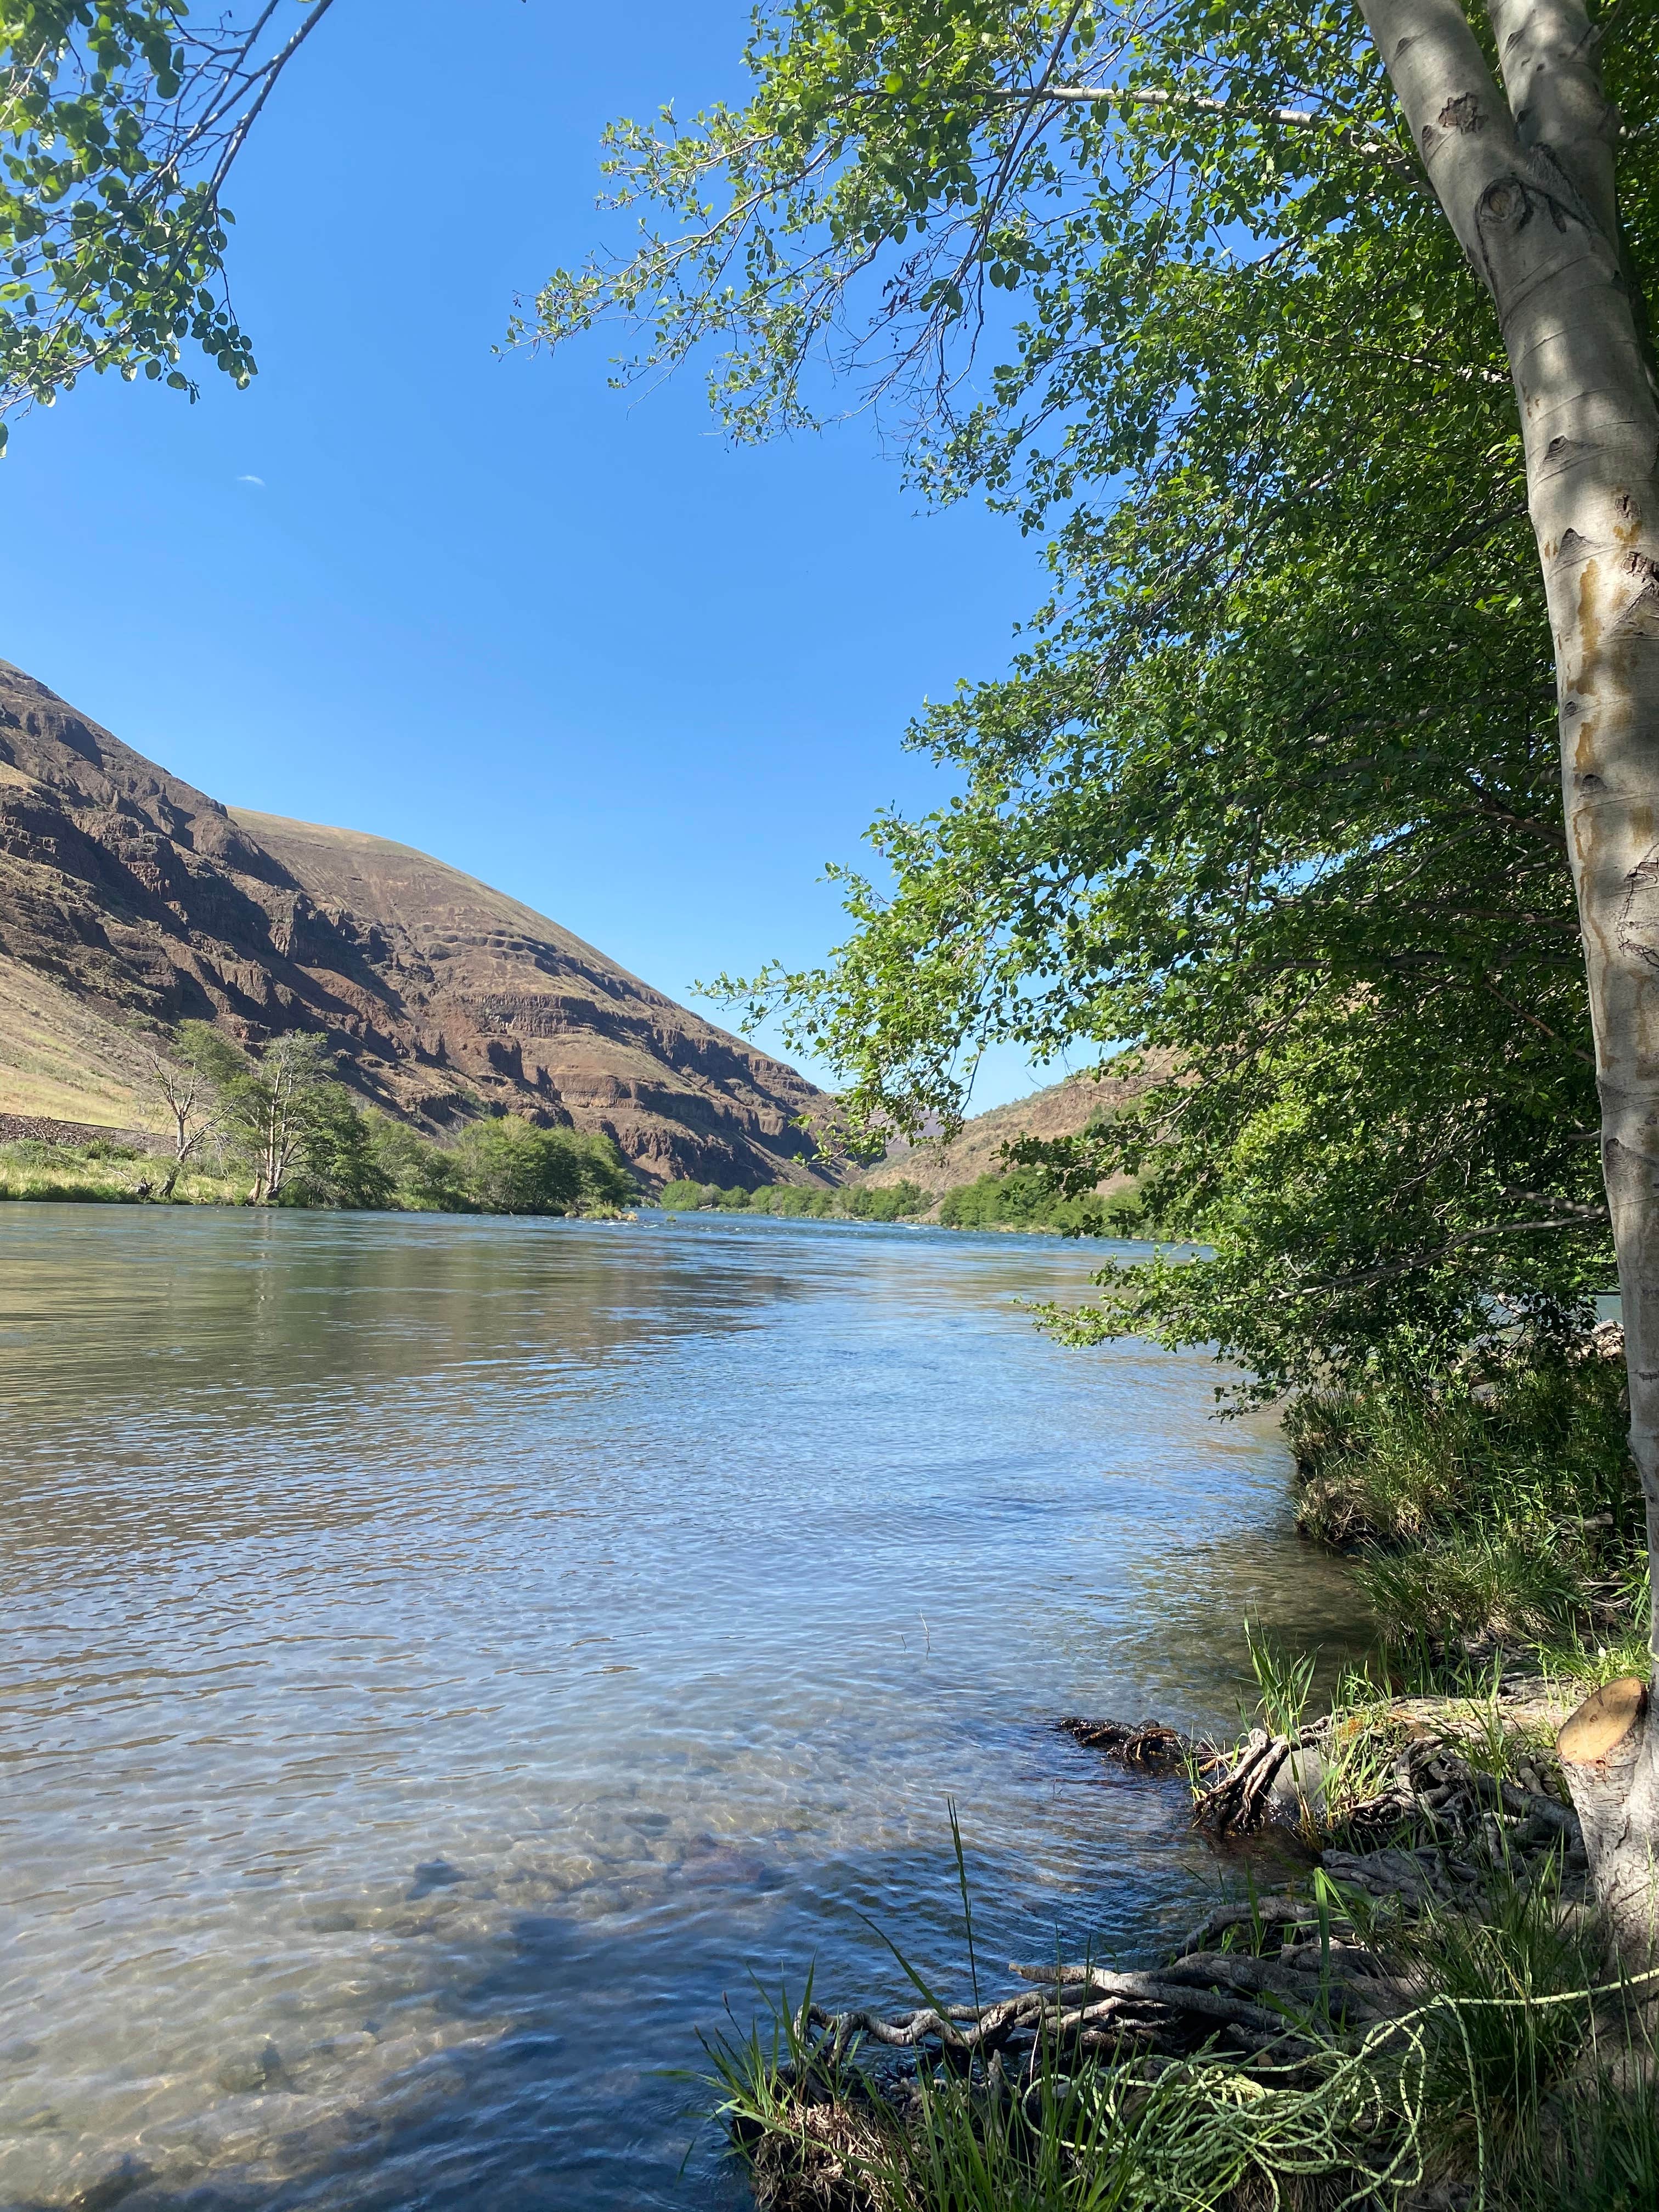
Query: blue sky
[564, 638]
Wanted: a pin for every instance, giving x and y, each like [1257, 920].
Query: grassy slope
[63, 1174]
[61, 1058]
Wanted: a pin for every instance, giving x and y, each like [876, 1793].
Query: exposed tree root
[1152, 1747]
[1280, 1985]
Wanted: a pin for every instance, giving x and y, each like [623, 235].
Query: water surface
[442, 1658]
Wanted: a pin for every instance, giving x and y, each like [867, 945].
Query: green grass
[1519, 2080]
[1096, 2135]
[1512, 2027]
[1496, 1512]
[103, 1173]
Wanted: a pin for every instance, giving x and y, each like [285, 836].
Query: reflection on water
[442, 1657]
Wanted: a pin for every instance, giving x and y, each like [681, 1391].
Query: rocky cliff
[130, 901]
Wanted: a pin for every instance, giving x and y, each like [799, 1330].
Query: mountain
[1063, 1109]
[130, 901]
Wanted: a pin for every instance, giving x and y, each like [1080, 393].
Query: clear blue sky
[561, 637]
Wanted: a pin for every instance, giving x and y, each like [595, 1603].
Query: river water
[444, 1659]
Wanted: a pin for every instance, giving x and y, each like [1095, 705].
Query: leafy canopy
[119, 125]
[1270, 791]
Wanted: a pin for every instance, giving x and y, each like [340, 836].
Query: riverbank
[1407, 2000]
[1422, 2014]
[112, 1171]
[106, 1171]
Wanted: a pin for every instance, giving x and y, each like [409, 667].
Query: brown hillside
[1063, 1109]
[129, 900]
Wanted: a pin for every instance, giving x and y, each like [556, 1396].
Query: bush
[892, 1201]
[106, 1148]
[339, 1163]
[425, 1177]
[510, 1166]
[682, 1197]
[1535, 1440]
[606, 1182]
[1503, 1509]
[1030, 1199]
[800, 1201]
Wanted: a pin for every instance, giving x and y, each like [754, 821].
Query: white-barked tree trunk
[1523, 164]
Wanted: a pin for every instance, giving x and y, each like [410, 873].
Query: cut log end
[1603, 1721]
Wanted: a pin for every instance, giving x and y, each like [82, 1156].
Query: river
[444, 1658]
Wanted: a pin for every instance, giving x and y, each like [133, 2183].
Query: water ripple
[442, 1657]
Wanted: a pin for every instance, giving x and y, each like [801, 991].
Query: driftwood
[1089, 2008]
[1238, 1803]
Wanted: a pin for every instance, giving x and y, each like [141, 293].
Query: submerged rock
[114, 2183]
[252, 2074]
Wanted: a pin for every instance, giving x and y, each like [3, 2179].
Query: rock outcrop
[130, 901]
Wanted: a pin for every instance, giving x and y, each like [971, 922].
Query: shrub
[425, 1177]
[798, 1201]
[1029, 1197]
[1497, 1509]
[339, 1163]
[682, 1197]
[1535, 1440]
[605, 1179]
[891, 1201]
[510, 1166]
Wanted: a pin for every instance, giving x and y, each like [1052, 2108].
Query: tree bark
[1526, 177]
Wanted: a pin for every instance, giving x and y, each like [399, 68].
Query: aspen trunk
[1525, 175]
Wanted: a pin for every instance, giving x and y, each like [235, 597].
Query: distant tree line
[279, 1114]
[1025, 1198]
[894, 1202]
[1033, 1198]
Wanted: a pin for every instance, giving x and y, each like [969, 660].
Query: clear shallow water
[442, 1657]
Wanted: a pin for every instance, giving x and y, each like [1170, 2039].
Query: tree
[422, 1176]
[120, 124]
[886, 1201]
[1194, 200]
[284, 1113]
[605, 1181]
[340, 1159]
[682, 1195]
[187, 1080]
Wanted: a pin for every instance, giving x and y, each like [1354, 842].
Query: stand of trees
[1034, 1197]
[894, 1202]
[279, 1114]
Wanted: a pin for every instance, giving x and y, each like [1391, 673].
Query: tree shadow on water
[570, 2108]
[565, 2032]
